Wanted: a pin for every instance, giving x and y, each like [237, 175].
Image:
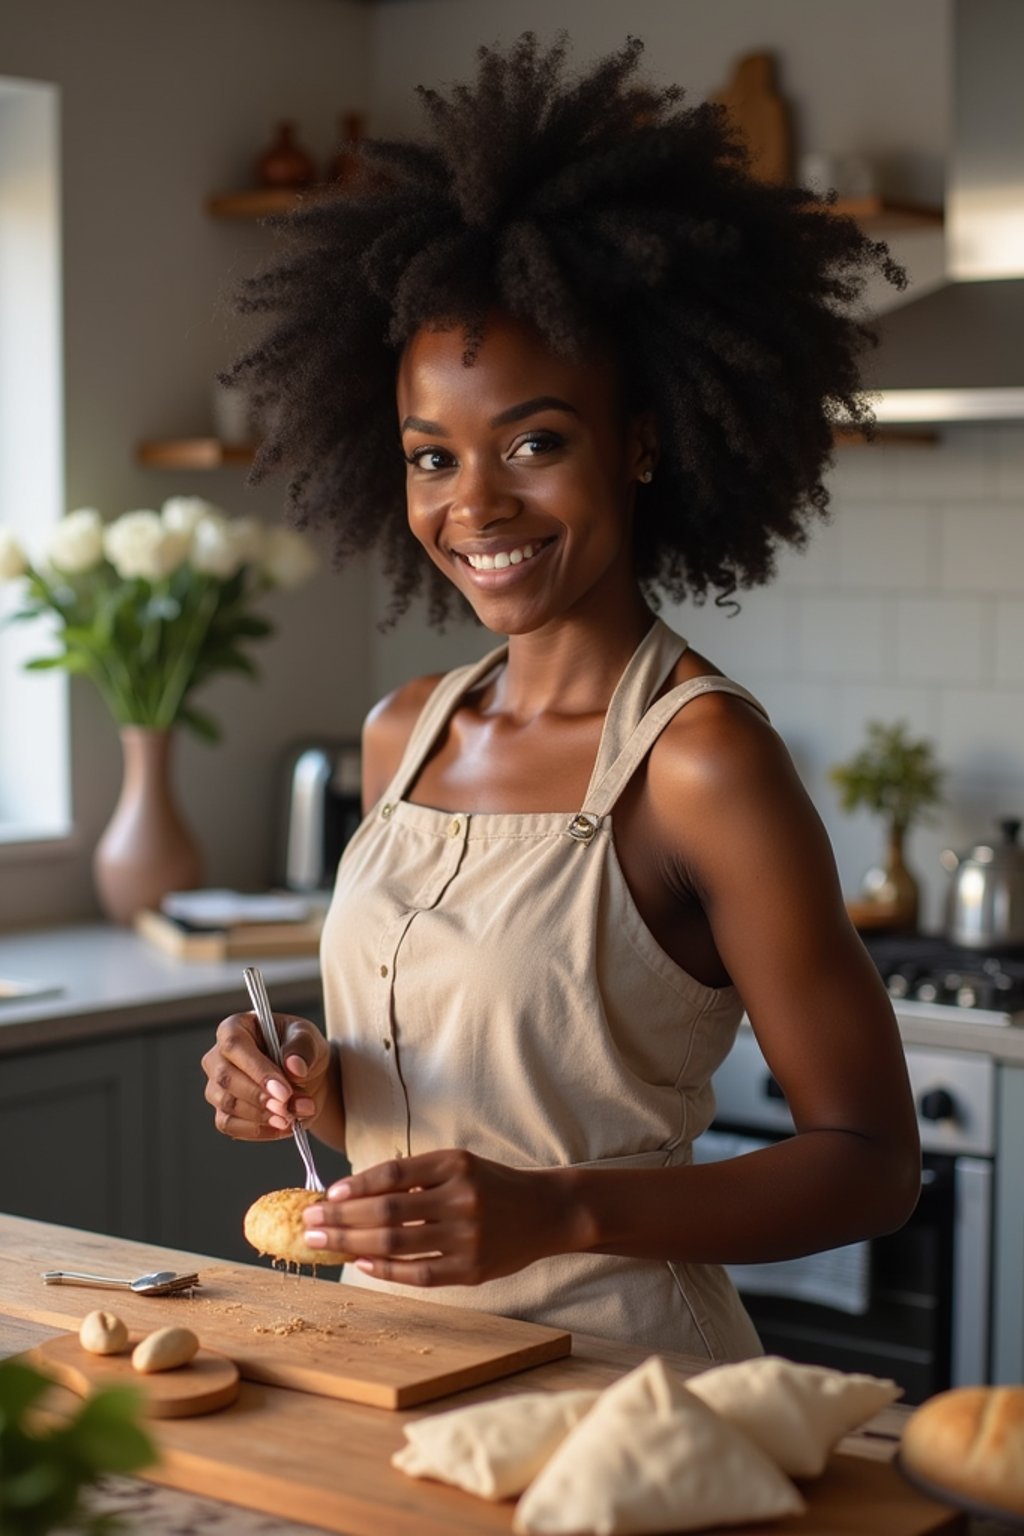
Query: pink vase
[146, 849]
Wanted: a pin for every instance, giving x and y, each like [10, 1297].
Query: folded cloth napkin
[492, 1449]
[795, 1413]
[651, 1457]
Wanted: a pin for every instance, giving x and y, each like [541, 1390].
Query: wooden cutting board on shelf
[312, 1335]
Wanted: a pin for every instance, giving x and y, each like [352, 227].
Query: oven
[914, 1304]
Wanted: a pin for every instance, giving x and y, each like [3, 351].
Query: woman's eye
[429, 458]
[536, 443]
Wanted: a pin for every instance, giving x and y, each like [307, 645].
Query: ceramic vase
[146, 850]
[285, 163]
[892, 886]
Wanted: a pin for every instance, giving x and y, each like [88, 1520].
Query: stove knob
[897, 984]
[927, 992]
[937, 1104]
[967, 996]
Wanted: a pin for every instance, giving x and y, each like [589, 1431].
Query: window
[34, 732]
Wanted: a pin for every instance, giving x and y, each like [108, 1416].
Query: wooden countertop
[207, 1456]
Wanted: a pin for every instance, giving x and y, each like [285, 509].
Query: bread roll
[970, 1443]
[274, 1225]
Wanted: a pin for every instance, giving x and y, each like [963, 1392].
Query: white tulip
[140, 544]
[12, 557]
[76, 543]
[215, 552]
[288, 557]
[182, 513]
[250, 537]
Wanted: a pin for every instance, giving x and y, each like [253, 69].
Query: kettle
[986, 897]
[321, 808]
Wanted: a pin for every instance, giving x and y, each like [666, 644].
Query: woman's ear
[643, 447]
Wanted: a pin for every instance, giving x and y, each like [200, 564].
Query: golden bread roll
[274, 1225]
[969, 1442]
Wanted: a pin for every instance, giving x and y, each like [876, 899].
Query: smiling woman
[562, 356]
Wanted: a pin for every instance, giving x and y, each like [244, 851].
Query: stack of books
[213, 925]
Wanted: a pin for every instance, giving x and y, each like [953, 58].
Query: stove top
[973, 985]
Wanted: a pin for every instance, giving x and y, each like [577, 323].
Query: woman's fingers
[252, 1096]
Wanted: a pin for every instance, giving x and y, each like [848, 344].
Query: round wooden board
[208, 1382]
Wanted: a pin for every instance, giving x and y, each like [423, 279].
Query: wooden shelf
[258, 202]
[192, 453]
[884, 214]
[907, 437]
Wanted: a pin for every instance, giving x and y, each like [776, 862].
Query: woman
[616, 361]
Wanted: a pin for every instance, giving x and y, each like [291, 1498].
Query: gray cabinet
[116, 1136]
[74, 1137]
[1008, 1265]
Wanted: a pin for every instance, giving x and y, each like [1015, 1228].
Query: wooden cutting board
[327, 1463]
[209, 1381]
[312, 1335]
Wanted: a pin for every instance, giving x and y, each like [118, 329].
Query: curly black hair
[602, 211]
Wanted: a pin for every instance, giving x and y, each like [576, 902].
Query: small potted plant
[898, 778]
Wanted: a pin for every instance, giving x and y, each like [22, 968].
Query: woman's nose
[481, 498]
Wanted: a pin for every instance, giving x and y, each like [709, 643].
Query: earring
[646, 476]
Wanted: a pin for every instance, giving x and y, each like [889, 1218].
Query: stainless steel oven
[915, 1304]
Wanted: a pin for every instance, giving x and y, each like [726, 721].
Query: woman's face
[521, 474]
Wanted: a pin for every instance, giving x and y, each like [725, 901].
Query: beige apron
[493, 986]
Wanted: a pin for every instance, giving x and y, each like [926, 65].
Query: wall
[160, 105]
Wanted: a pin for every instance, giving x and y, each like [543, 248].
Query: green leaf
[202, 724]
[105, 1432]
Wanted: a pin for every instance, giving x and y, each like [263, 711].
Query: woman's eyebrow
[420, 424]
[528, 407]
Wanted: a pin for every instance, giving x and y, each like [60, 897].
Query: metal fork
[261, 1003]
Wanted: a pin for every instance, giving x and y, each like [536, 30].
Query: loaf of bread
[969, 1442]
[274, 1225]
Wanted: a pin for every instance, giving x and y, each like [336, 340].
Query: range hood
[956, 354]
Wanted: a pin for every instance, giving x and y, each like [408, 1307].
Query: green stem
[180, 676]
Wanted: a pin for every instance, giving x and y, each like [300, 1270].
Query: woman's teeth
[503, 558]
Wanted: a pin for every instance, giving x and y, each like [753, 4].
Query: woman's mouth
[505, 559]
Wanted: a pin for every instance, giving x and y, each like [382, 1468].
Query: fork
[261, 1003]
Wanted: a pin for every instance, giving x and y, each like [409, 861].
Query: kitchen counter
[107, 981]
[110, 980]
[352, 1440]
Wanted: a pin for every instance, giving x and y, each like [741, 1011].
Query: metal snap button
[582, 827]
[385, 812]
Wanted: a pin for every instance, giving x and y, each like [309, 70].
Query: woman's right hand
[253, 1098]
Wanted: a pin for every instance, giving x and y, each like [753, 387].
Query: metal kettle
[986, 896]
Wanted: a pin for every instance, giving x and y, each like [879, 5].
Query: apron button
[454, 827]
[383, 970]
[386, 1043]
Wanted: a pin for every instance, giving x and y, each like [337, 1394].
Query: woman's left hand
[442, 1218]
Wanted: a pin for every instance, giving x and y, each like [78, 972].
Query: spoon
[161, 1283]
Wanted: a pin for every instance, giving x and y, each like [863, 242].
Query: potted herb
[46, 1468]
[898, 778]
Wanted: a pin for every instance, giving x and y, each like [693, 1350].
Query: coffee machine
[320, 811]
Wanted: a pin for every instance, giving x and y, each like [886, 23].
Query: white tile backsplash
[908, 605]
[982, 547]
[943, 639]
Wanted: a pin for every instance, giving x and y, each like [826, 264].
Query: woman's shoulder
[718, 740]
[387, 729]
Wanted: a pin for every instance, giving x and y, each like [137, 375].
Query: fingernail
[278, 1122]
[366, 1265]
[296, 1066]
[278, 1090]
[313, 1215]
[340, 1191]
[316, 1239]
[305, 1106]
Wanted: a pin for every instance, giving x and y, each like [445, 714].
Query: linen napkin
[492, 1449]
[795, 1413]
[651, 1457]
